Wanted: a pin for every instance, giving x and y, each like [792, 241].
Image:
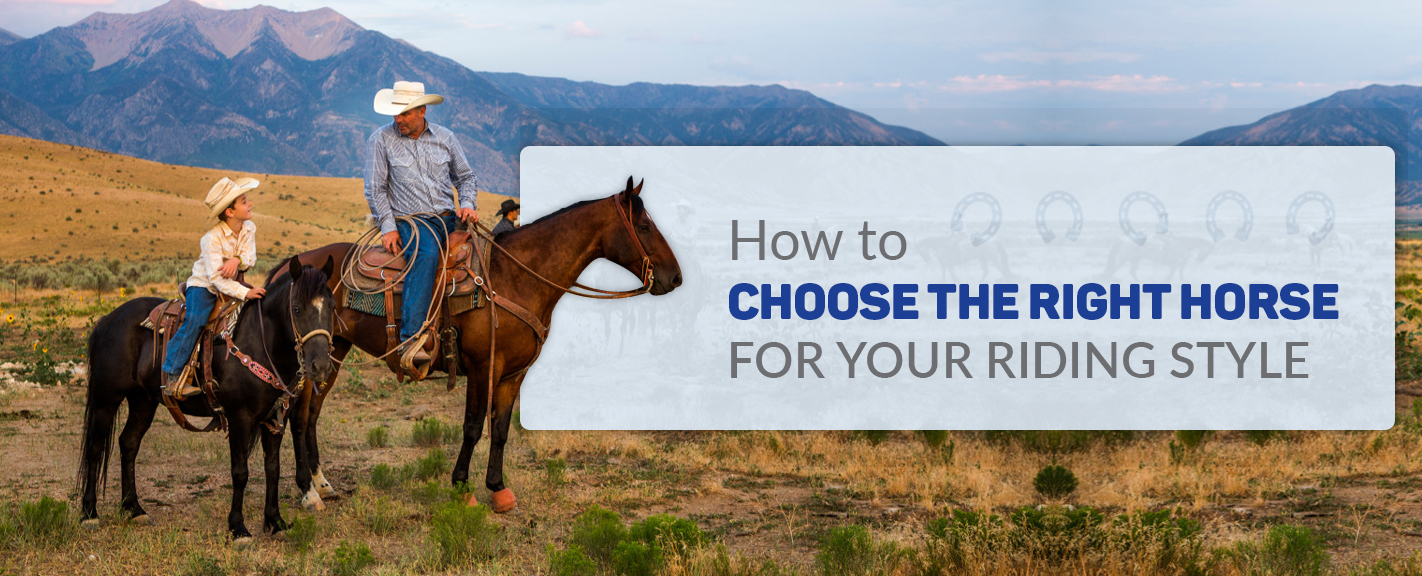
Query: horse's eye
[644, 227]
[296, 310]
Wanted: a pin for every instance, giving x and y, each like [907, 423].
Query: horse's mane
[637, 208]
[310, 284]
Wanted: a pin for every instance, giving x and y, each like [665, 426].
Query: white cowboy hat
[405, 96]
[224, 193]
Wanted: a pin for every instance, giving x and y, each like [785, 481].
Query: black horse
[294, 317]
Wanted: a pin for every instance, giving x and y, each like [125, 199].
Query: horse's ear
[330, 266]
[293, 267]
[638, 190]
[629, 185]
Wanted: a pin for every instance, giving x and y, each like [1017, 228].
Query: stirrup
[180, 387]
[409, 357]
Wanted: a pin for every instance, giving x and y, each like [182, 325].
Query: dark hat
[506, 207]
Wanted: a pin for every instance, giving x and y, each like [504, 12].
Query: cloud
[1064, 57]
[63, 2]
[1124, 83]
[581, 30]
[991, 83]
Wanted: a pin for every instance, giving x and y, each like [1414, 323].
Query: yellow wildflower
[44, 350]
[10, 319]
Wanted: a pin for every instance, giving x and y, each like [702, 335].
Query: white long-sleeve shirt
[219, 244]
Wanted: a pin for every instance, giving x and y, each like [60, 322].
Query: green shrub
[384, 477]
[1292, 550]
[199, 564]
[664, 530]
[434, 432]
[462, 534]
[934, 438]
[1191, 439]
[570, 562]
[379, 515]
[434, 492]
[1054, 482]
[874, 437]
[433, 465]
[46, 521]
[302, 532]
[378, 437]
[851, 551]
[1262, 437]
[555, 471]
[8, 530]
[597, 531]
[635, 559]
[349, 559]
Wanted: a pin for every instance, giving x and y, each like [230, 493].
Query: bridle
[268, 376]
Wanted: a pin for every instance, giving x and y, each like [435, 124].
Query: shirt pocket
[403, 168]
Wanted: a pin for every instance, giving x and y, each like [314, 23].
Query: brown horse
[557, 248]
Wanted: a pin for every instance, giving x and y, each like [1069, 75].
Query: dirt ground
[758, 508]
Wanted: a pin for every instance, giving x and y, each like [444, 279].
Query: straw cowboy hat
[224, 193]
[405, 96]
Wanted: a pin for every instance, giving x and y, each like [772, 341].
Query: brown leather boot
[182, 386]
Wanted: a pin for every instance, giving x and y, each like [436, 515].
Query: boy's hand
[229, 268]
[391, 241]
[256, 293]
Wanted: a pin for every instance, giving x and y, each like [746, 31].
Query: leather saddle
[166, 318]
[379, 289]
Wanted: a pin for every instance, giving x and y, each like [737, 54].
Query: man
[413, 167]
[509, 210]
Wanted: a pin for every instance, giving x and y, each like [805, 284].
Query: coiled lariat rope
[368, 242]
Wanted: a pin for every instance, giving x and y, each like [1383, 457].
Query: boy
[229, 245]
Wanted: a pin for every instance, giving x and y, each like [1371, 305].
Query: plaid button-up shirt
[406, 176]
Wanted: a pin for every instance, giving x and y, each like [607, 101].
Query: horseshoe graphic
[1076, 218]
[1229, 195]
[1292, 222]
[1162, 218]
[987, 233]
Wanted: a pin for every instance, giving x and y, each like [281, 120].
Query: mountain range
[1373, 116]
[272, 91]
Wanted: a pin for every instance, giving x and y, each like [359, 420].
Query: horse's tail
[97, 441]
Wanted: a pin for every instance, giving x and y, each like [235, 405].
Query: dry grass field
[722, 503]
[59, 202]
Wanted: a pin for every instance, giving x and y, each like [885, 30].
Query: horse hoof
[504, 501]
[141, 520]
[242, 542]
[91, 524]
[323, 487]
[311, 502]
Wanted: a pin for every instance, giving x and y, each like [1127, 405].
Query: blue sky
[968, 73]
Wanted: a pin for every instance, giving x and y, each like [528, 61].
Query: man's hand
[391, 241]
[229, 268]
[468, 215]
[256, 293]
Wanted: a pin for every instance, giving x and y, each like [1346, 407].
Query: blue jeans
[424, 266]
[180, 346]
